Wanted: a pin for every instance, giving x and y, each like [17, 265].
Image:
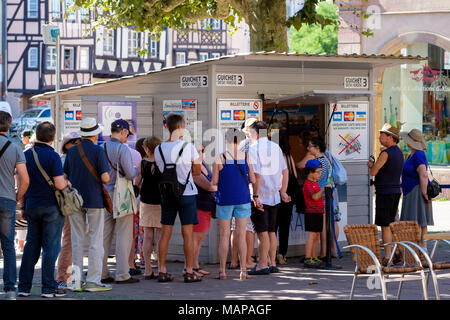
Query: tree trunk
[267, 22]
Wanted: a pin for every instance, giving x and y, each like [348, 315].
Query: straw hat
[248, 123]
[414, 139]
[68, 137]
[391, 130]
[89, 127]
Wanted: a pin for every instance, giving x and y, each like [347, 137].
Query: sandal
[244, 275]
[198, 274]
[230, 267]
[221, 276]
[151, 277]
[191, 277]
[201, 271]
[165, 277]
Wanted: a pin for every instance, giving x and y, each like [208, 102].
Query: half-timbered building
[30, 63]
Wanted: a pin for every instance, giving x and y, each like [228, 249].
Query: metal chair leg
[383, 287]
[424, 285]
[399, 292]
[435, 283]
[353, 286]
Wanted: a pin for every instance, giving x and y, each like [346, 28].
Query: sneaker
[24, 294]
[57, 293]
[135, 272]
[96, 287]
[310, 263]
[80, 289]
[129, 280]
[108, 280]
[10, 295]
[63, 285]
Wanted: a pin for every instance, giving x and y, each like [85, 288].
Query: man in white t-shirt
[188, 164]
[272, 176]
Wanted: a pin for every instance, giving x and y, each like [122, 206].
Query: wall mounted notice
[72, 116]
[356, 82]
[194, 81]
[231, 113]
[185, 107]
[108, 112]
[229, 80]
[349, 131]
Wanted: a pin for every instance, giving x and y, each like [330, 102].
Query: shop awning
[321, 97]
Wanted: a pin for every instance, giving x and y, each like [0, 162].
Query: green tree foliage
[315, 39]
[266, 18]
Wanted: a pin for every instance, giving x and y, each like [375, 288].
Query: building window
[51, 58]
[71, 16]
[56, 9]
[180, 58]
[132, 43]
[153, 48]
[84, 15]
[68, 58]
[216, 24]
[33, 9]
[203, 56]
[108, 42]
[84, 58]
[33, 57]
[215, 55]
[211, 24]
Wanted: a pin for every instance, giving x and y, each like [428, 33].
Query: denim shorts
[237, 211]
[185, 206]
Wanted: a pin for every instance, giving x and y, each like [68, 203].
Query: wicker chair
[365, 248]
[409, 232]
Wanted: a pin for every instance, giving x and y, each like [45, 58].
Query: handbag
[124, 200]
[107, 202]
[433, 187]
[69, 199]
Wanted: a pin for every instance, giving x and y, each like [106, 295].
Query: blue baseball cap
[121, 124]
[314, 164]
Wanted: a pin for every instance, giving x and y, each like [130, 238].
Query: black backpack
[168, 183]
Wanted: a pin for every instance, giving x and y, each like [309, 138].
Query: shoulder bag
[124, 203]
[107, 202]
[69, 199]
[433, 187]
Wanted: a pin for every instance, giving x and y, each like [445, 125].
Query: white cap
[4, 106]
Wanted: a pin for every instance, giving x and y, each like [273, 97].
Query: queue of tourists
[132, 197]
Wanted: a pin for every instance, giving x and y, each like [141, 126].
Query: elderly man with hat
[88, 153]
[387, 170]
[121, 162]
[416, 205]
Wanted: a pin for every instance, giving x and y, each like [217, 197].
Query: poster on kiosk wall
[231, 113]
[72, 116]
[349, 131]
[108, 112]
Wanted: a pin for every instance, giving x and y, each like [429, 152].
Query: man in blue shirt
[91, 191]
[119, 158]
[44, 218]
[11, 159]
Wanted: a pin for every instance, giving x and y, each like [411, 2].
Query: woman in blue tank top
[232, 174]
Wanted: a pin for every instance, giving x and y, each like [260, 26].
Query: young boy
[314, 212]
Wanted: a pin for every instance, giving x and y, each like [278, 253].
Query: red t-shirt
[312, 206]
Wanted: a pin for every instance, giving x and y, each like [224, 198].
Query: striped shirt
[312, 206]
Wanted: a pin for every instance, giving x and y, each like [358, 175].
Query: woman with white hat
[416, 205]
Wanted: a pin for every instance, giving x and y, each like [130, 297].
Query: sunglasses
[74, 141]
